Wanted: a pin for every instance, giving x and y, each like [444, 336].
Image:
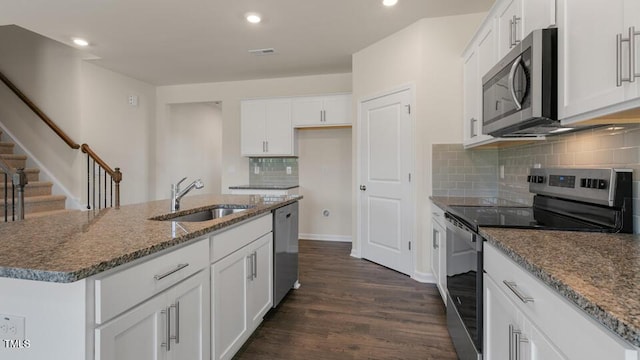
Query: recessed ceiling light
[389, 2]
[80, 42]
[253, 18]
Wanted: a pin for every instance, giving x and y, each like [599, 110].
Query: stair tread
[14, 156]
[48, 213]
[32, 183]
[40, 198]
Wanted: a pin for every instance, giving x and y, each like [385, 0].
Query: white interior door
[386, 201]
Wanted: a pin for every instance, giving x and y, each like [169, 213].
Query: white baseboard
[424, 277]
[355, 253]
[325, 237]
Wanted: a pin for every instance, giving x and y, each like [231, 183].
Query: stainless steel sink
[209, 214]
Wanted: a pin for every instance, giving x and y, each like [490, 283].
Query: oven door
[464, 288]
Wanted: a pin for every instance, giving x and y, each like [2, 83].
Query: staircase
[38, 200]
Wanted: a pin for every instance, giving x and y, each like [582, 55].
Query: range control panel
[592, 185]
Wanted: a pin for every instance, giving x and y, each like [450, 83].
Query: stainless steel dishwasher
[285, 251]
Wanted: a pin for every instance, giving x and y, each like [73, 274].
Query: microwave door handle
[512, 74]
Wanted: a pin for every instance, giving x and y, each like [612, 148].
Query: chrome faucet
[177, 194]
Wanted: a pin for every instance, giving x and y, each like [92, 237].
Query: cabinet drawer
[122, 290]
[227, 242]
[576, 334]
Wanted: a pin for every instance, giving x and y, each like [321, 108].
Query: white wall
[119, 133]
[194, 144]
[88, 102]
[325, 182]
[427, 55]
[235, 168]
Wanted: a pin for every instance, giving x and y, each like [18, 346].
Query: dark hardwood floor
[349, 308]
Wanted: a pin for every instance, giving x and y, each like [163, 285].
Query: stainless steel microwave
[520, 93]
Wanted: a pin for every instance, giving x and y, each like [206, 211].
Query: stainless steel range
[565, 199]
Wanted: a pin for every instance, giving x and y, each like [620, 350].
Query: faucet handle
[178, 184]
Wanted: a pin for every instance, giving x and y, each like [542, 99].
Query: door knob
[363, 188]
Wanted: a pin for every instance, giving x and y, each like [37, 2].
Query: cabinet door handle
[250, 263]
[176, 306]
[514, 288]
[178, 268]
[255, 264]
[267, 142]
[472, 127]
[168, 332]
[618, 60]
[632, 54]
[435, 236]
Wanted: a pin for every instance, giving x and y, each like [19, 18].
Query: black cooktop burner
[520, 217]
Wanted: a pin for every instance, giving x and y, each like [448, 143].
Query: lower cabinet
[508, 334]
[242, 284]
[439, 250]
[173, 324]
[526, 320]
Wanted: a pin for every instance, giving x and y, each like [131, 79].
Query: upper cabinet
[597, 72]
[330, 110]
[517, 18]
[266, 128]
[505, 26]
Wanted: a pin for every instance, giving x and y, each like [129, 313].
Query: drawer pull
[514, 288]
[178, 268]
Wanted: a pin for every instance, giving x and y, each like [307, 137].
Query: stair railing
[18, 180]
[115, 176]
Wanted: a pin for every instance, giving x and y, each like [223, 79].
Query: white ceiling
[167, 42]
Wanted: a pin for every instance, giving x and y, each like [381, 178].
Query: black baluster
[99, 186]
[6, 198]
[105, 189]
[111, 192]
[93, 174]
[88, 183]
[13, 202]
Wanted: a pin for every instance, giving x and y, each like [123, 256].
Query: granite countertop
[265, 187]
[599, 273]
[445, 201]
[72, 246]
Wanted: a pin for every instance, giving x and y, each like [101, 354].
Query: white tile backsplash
[459, 172]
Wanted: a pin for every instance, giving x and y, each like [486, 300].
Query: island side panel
[55, 319]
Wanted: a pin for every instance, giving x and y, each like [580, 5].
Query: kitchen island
[70, 281]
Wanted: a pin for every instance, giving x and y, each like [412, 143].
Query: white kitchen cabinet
[517, 18]
[438, 250]
[242, 284]
[171, 325]
[504, 27]
[508, 333]
[509, 20]
[550, 326]
[479, 59]
[329, 110]
[266, 128]
[588, 68]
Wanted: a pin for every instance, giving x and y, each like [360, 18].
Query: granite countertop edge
[598, 314]
[94, 269]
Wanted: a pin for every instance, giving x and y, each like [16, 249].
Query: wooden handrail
[72, 144]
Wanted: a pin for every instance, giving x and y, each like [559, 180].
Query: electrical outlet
[12, 327]
[288, 170]
[501, 171]
[133, 100]
[256, 170]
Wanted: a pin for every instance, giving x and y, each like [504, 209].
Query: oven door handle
[512, 77]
